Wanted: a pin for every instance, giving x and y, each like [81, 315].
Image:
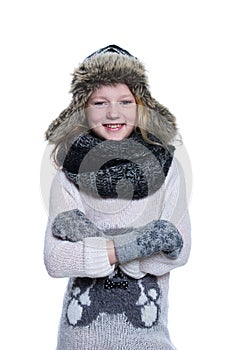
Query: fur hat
[108, 66]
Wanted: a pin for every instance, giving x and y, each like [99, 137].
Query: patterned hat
[107, 66]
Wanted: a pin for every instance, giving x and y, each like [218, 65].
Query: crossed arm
[84, 250]
[159, 236]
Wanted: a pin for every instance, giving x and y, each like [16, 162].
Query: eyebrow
[120, 97]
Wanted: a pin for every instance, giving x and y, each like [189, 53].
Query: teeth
[113, 126]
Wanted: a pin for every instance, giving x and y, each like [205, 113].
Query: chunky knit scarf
[129, 169]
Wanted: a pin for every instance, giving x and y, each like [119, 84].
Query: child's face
[112, 112]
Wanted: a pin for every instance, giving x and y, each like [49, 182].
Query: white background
[187, 47]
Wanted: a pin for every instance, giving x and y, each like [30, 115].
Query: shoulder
[61, 182]
[175, 179]
[173, 172]
[64, 195]
[60, 177]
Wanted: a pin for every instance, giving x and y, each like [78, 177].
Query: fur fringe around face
[110, 69]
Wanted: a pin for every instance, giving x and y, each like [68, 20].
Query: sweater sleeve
[72, 259]
[175, 211]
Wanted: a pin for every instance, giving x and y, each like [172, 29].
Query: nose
[112, 111]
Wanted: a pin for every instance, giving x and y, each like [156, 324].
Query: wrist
[111, 252]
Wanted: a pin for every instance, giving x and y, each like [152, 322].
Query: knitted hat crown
[108, 66]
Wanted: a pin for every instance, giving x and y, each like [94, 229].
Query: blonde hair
[78, 125]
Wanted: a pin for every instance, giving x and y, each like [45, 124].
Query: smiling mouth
[114, 126]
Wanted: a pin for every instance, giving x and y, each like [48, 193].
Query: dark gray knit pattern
[90, 297]
[131, 168]
[160, 235]
[156, 237]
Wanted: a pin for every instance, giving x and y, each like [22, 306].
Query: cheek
[92, 118]
[132, 117]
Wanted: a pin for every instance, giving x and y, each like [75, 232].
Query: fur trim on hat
[109, 68]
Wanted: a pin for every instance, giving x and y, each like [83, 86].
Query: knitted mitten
[155, 237]
[73, 226]
[130, 243]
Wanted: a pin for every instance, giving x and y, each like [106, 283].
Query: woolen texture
[130, 243]
[98, 311]
[130, 169]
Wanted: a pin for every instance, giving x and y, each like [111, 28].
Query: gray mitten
[155, 237]
[73, 226]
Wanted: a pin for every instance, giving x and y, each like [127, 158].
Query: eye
[100, 104]
[126, 102]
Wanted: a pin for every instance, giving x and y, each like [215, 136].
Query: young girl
[118, 222]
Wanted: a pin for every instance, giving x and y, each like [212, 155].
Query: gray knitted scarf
[129, 169]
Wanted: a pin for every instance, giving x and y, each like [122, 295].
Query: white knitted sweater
[93, 318]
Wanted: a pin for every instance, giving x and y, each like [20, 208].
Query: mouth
[114, 127]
